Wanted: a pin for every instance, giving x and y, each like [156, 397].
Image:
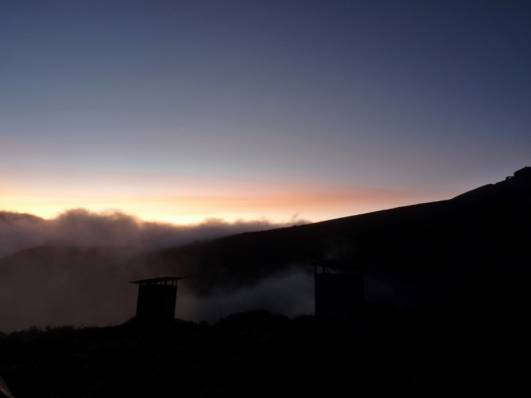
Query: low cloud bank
[75, 269]
[290, 292]
[112, 229]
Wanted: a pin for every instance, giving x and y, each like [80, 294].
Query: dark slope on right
[471, 250]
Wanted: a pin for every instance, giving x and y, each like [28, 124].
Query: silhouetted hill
[469, 253]
[471, 250]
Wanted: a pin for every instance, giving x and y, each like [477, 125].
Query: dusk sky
[178, 111]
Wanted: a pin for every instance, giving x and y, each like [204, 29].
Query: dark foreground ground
[263, 355]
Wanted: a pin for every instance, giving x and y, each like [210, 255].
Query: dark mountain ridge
[471, 248]
[470, 253]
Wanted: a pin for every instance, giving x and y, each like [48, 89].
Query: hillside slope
[474, 246]
[469, 252]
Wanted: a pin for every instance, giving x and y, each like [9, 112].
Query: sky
[179, 111]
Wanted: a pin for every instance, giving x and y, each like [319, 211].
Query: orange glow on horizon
[192, 206]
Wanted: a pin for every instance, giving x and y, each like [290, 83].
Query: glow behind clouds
[188, 205]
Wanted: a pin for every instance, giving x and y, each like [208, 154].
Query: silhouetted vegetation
[261, 354]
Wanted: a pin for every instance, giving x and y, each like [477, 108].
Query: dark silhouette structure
[156, 299]
[339, 293]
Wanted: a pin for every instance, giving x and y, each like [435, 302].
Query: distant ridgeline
[469, 253]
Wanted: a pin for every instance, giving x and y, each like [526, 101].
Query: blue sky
[151, 101]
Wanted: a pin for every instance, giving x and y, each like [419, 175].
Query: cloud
[289, 292]
[75, 269]
[20, 231]
[110, 229]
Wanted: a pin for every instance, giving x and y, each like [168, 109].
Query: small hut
[156, 298]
